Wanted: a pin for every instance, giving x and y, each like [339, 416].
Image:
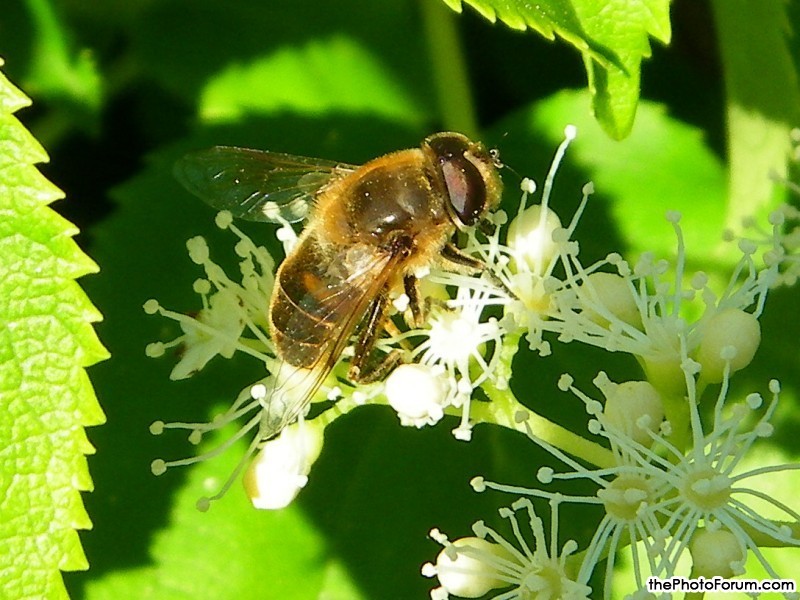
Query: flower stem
[676, 413]
[456, 105]
[505, 410]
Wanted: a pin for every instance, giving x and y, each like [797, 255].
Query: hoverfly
[370, 230]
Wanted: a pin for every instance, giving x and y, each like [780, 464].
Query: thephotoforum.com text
[720, 584]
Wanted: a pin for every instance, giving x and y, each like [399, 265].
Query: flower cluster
[471, 567]
[661, 502]
[672, 484]
[666, 464]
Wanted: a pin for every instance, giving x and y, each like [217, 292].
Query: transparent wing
[345, 305]
[256, 185]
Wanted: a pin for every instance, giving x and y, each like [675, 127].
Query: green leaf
[762, 97]
[278, 554]
[322, 76]
[46, 341]
[612, 36]
[306, 57]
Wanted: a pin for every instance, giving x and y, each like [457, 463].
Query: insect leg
[393, 330]
[359, 371]
[461, 259]
[411, 285]
[465, 262]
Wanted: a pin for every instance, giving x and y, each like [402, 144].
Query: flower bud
[730, 336]
[464, 570]
[611, 292]
[417, 393]
[530, 235]
[716, 552]
[633, 407]
[280, 469]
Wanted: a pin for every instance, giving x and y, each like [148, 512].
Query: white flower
[530, 237]
[533, 569]
[598, 310]
[464, 567]
[711, 490]
[525, 265]
[463, 344]
[646, 310]
[418, 393]
[229, 308]
[781, 242]
[215, 330]
[662, 497]
[280, 469]
[233, 319]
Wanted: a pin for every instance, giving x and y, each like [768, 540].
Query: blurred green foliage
[124, 87]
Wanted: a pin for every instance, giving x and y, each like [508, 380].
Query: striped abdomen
[321, 292]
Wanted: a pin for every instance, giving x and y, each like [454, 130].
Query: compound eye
[465, 188]
[458, 161]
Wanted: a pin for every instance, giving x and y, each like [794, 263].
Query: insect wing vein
[254, 184]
